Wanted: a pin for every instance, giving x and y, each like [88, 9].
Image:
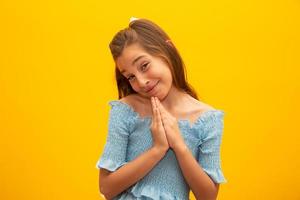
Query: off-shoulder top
[129, 135]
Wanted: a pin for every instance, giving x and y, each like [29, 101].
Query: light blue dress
[129, 135]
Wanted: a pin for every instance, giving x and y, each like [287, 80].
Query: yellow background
[57, 76]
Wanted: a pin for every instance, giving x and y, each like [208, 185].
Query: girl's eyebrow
[133, 62]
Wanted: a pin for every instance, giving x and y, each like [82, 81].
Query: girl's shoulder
[131, 100]
[138, 105]
[200, 111]
[121, 112]
[199, 105]
[120, 105]
[131, 103]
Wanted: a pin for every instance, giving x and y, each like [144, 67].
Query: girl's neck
[173, 99]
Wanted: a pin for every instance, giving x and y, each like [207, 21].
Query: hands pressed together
[164, 128]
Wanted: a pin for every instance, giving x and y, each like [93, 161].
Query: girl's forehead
[132, 51]
[130, 56]
[126, 63]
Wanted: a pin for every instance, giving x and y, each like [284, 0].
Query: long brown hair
[157, 43]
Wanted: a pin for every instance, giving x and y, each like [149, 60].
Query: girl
[162, 141]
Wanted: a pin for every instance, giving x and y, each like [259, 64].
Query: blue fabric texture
[129, 135]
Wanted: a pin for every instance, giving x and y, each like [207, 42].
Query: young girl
[162, 141]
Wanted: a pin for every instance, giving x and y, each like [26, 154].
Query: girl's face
[148, 75]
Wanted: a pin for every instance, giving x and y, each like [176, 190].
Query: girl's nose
[143, 82]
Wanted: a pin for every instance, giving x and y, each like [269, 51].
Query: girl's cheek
[153, 73]
[134, 87]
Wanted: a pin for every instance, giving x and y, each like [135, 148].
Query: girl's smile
[152, 90]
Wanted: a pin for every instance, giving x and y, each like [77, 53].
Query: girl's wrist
[180, 148]
[160, 150]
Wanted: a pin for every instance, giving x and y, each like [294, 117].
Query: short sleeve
[209, 147]
[115, 149]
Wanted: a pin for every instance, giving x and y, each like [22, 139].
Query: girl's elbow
[205, 198]
[212, 195]
[106, 189]
[103, 192]
[103, 184]
[106, 193]
[103, 196]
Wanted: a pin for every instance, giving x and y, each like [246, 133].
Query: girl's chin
[146, 96]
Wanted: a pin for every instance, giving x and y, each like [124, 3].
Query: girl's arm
[113, 183]
[200, 183]
[204, 173]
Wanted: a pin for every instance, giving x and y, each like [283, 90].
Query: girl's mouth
[150, 91]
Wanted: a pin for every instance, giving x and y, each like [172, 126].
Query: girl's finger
[162, 109]
[154, 110]
[159, 118]
[159, 104]
[152, 103]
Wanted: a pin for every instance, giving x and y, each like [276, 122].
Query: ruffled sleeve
[115, 149]
[209, 147]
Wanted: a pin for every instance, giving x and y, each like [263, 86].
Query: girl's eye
[144, 66]
[129, 78]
